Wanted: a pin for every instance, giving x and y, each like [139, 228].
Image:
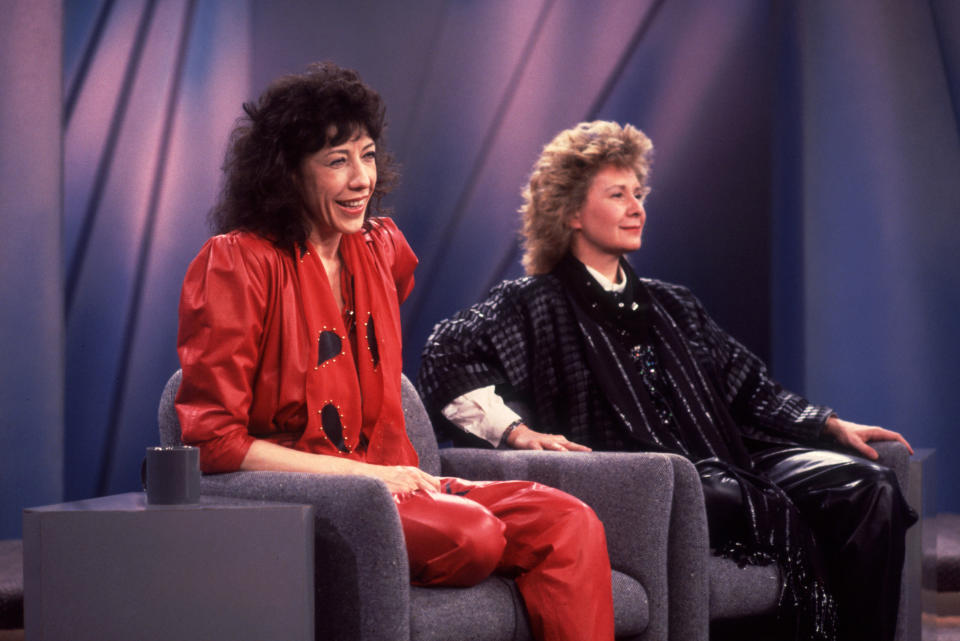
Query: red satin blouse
[266, 353]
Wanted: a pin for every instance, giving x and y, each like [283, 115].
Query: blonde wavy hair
[561, 177]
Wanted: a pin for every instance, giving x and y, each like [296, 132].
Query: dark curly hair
[291, 120]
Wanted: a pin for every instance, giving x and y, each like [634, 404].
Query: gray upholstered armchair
[362, 579]
[735, 597]
[707, 590]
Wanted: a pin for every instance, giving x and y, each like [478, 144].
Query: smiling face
[610, 222]
[338, 182]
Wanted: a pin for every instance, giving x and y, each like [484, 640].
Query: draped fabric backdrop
[805, 187]
[31, 293]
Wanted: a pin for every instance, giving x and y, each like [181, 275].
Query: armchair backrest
[419, 428]
[167, 417]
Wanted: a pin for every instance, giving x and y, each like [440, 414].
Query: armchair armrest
[895, 455]
[631, 493]
[359, 548]
[688, 571]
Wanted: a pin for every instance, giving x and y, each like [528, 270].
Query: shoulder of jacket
[248, 246]
[246, 240]
[379, 228]
[663, 288]
[526, 287]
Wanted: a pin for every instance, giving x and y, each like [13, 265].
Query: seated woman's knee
[879, 478]
[452, 541]
[481, 539]
[571, 511]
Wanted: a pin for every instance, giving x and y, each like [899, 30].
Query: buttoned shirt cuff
[482, 413]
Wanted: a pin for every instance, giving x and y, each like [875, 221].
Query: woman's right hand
[524, 438]
[264, 455]
[401, 479]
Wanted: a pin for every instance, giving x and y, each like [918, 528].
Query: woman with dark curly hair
[290, 346]
[597, 358]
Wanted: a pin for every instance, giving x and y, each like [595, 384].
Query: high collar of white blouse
[605, 282]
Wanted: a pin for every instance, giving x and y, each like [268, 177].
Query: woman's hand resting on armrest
[401, 479]
[855, 436]
[524, 438]
[267, 456]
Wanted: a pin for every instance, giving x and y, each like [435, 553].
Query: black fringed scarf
[663, 401]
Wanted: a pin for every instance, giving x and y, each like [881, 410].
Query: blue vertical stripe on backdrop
[87, 135]
[146, 242]
[31, 289]
[213, 83]
[946, 21]
[788, 341]
[108, 269]
[102, 269]
[84, 25]
[107, 156]
[881, 212]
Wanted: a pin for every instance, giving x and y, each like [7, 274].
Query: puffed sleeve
[222, 316]
[390, 243]
[753, 396]
[489, 343]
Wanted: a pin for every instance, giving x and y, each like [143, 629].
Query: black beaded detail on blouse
[648, 366]
[332, 426]
[329, 346]
[372, 341]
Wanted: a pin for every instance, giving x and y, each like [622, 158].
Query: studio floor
[946, 560]
[937, 628]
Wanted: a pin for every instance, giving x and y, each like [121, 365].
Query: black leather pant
[858, 517]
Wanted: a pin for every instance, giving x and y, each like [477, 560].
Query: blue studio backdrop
[804, 187]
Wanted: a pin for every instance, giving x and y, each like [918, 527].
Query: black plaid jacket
[524, 339]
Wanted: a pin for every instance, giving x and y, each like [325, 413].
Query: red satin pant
[550, 542]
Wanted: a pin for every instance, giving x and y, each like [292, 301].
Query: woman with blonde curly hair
[560, 180]
[582, 354]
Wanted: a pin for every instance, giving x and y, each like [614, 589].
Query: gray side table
[116, 568]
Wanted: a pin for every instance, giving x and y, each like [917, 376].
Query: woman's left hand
[855, 436]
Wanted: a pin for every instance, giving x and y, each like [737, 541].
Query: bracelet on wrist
[506, 433]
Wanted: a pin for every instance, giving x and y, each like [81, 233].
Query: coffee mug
[171, 475]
